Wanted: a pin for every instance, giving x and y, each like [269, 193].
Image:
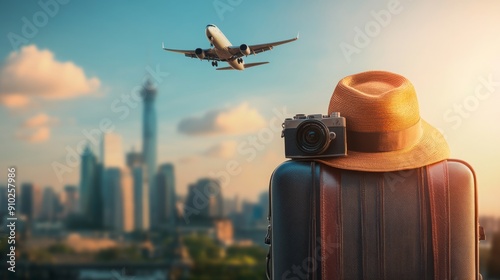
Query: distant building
[111, 182]
[491, 224]
[50, 205]
[204, 201]
[135, 164]
[30, 202]
[264, 205]
[70, 204]
[119, 203]
[141, 198]
[87, 178]
[134, 159]
[232, 206]
[166, 197]
[252, 215]
[117, 186]
[90, 188]
[124, 202]
[224, 231]
[149, 144]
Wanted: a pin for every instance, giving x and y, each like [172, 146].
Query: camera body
[315, 136]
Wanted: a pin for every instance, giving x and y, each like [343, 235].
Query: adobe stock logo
[223, 6]
[482, 92]
[363, 37]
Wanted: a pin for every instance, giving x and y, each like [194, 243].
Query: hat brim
[431, 148]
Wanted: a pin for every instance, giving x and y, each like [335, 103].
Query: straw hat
[383, 124]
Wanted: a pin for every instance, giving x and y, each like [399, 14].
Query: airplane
[222, 50]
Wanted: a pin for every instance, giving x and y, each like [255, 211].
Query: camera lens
[312, 137]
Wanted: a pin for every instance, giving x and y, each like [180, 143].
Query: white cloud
[14, 100]
[41, 119]
[224, 150]
[31, 72]
[37, 128]
[241, 119]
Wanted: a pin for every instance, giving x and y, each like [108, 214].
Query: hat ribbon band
[373, 142]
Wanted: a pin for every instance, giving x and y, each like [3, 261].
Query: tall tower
[149, 147]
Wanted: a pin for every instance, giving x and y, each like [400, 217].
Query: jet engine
[199, 53]
[245, 49]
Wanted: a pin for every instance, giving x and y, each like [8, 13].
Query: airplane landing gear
[215, 64]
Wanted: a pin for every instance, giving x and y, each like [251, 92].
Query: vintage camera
[315, 136]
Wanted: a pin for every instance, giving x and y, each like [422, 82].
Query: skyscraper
[119, 205]
[123, 217]
[117, 185]
[204, 201]
[111, 183]
[141, 193]
[134, 158]
[70, 204]
[149, 147]
[50, 205]
[30, 201]
[166, 197]
[88, 174]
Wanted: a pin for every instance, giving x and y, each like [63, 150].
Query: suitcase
[328, 223]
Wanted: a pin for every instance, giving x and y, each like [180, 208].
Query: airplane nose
[209, 34]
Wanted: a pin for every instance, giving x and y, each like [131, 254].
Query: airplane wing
[209, 54]
[255, 49]
[247, 65]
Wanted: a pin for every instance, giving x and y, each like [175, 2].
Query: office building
[50, 205]
[135, 164]
[30, 202]
[134, 158]
[117, 186]
[70, 204]
[166, 197]
[118, 209]
[141, 198]
[205, 199]
[88, 174]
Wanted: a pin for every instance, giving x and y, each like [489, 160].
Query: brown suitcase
[329, 223]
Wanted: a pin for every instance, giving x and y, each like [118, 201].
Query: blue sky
[446, 49]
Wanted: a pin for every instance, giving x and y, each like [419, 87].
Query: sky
[70, 69]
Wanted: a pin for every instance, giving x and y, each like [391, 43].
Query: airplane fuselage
[221, 46]
[221, 50]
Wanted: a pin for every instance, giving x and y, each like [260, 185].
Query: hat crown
[376, 101]
[383, 125]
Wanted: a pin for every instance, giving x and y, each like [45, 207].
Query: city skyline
[226, 124]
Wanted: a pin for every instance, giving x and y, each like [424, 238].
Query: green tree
[202, 248]
[60, 248]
